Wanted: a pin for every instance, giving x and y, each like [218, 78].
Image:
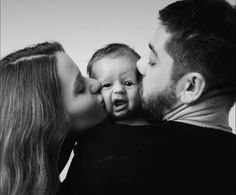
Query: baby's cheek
[134, 100]
[105, 95]
[138, 98]
[107, 100]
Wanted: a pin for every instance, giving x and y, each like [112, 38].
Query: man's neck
[210, 113]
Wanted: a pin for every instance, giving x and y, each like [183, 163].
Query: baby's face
[118, 76]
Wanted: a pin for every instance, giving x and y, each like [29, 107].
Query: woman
[43, 95]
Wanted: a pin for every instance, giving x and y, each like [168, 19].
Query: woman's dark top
[167, 158]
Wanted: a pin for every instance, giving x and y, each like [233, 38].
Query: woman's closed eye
[79, 84]
[80, 89]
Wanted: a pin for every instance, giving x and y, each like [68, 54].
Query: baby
[115, 67]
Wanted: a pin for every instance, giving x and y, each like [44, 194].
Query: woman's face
[81, 95]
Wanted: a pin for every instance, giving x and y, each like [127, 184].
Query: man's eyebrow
[152, 49]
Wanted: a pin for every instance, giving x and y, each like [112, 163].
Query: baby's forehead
[128, 60]
[119, 65]
[118, 56]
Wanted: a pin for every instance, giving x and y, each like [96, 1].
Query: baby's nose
[118, 89]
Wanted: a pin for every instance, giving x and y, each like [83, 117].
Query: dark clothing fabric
[65, 150]
[167, 158]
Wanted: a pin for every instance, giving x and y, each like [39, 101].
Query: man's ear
[193, 87]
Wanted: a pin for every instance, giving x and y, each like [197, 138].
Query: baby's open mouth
[120, 105]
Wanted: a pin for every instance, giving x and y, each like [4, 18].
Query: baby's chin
[120, 115]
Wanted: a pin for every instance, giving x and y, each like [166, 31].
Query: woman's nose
[142, 63]
[95, 86]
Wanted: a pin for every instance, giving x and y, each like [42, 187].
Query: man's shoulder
[115, 156]
[163, 129]
[159, 127]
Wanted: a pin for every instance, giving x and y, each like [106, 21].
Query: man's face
[157, 89]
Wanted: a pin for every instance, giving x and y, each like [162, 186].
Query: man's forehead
[160, 36]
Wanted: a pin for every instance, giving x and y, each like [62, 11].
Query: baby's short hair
[111, 50]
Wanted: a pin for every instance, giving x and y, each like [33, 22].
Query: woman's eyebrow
[77, 80]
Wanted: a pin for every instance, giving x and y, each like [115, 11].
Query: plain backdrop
[81, 26]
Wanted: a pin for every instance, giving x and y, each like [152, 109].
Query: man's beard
[157, 103]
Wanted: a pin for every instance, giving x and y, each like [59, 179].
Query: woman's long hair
[33, 122]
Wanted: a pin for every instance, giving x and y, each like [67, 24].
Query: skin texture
[81, 95]
[157, 89]
[118, 76]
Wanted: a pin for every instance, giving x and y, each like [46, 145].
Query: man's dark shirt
[167, 158]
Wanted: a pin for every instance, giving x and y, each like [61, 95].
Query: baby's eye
[106, 85]
[128, 83]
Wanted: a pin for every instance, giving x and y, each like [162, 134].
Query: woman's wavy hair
[33, 122]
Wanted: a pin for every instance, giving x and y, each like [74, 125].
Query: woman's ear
[193, 87]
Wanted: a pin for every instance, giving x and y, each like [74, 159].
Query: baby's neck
[134, 119]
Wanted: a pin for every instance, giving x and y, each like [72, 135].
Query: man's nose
[142, 64]
[118, 89]
[95, 86]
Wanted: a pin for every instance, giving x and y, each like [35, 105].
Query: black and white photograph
[108, 97]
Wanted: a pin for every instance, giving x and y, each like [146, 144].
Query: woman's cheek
[85, 117]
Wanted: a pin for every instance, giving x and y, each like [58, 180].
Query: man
[190, 74]
[189, 82]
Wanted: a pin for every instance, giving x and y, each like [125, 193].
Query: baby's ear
[193, 85]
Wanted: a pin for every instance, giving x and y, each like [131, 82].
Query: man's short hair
[202, 40]
[112, 50]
